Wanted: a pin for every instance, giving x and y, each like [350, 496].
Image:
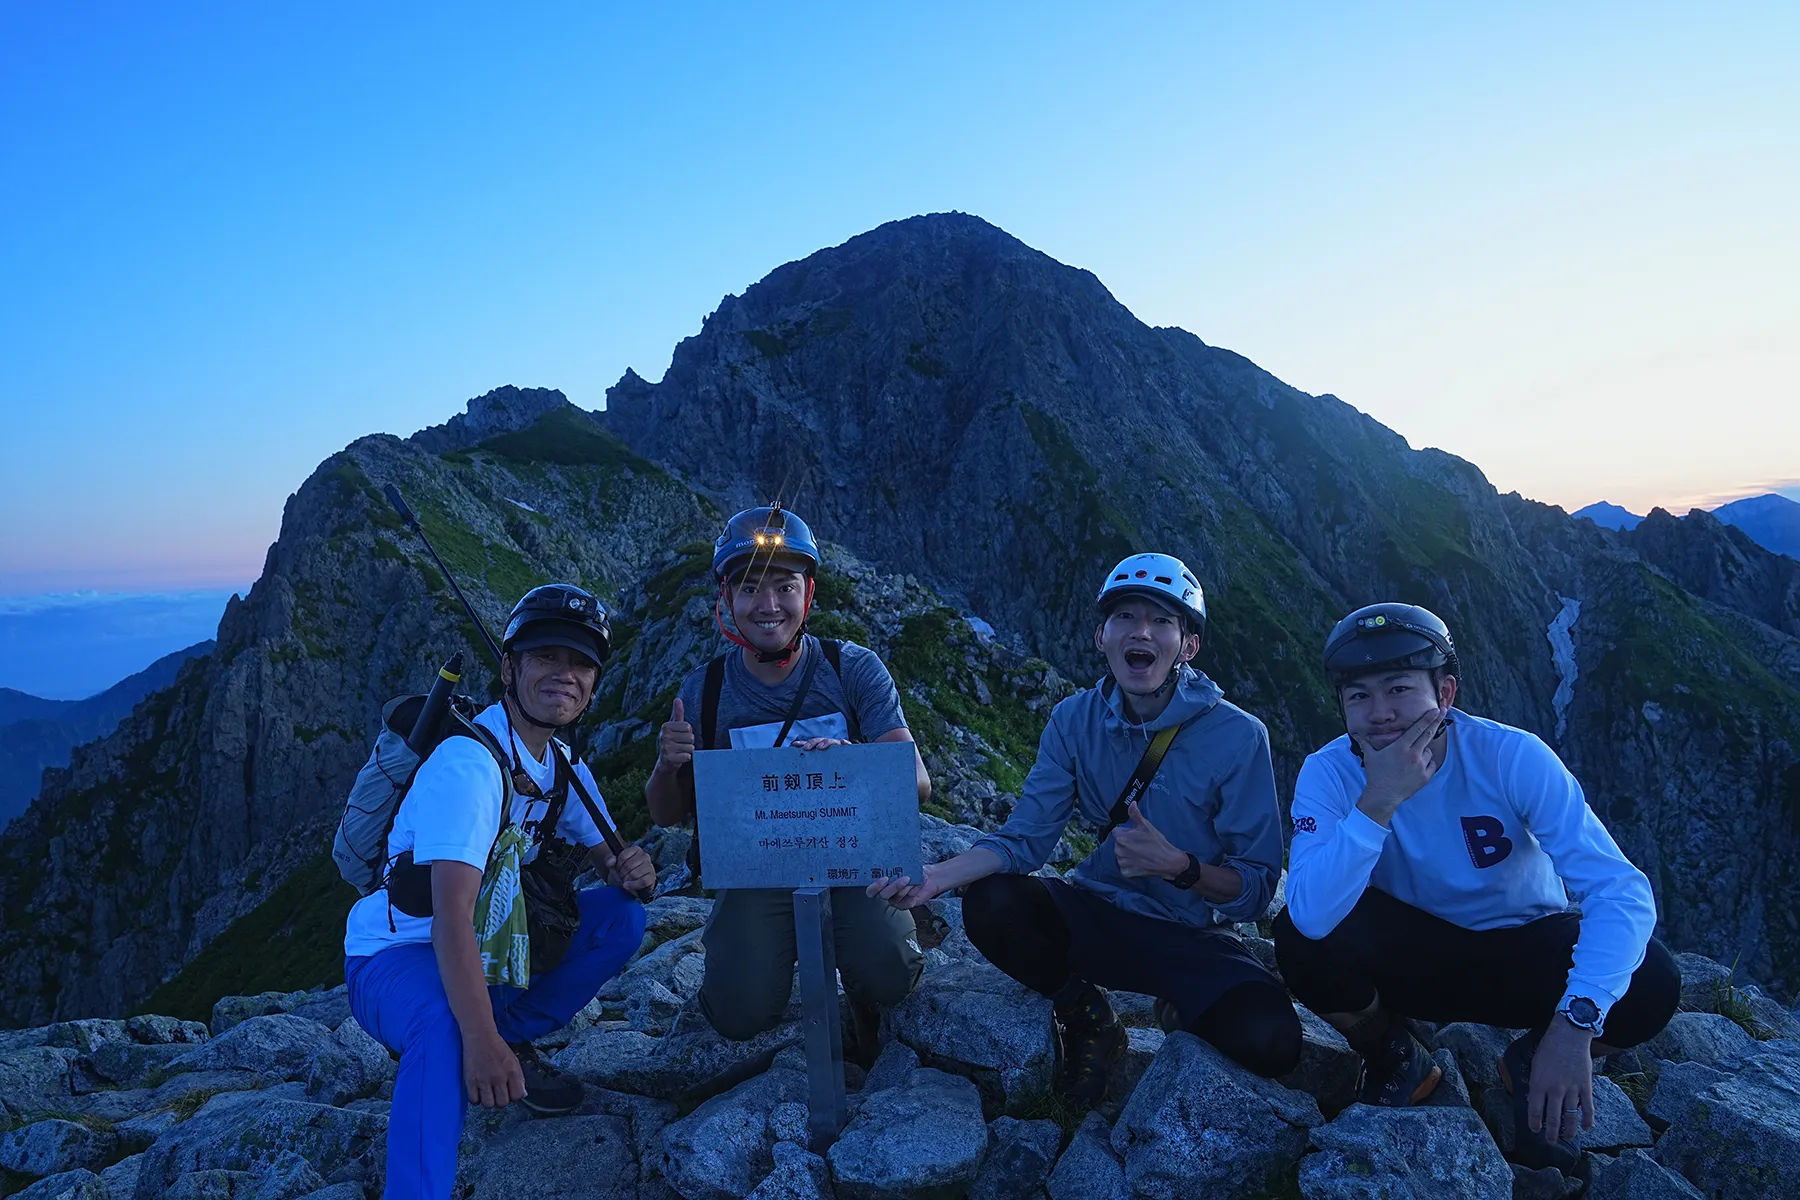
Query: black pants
[1045, 939]
[1426, 967]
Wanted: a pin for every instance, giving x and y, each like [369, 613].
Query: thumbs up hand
[675, 744]
[1141, 849]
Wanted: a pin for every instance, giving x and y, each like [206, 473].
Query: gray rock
[351, 1065]
[788, 1122]
[924, 1138]
[162, 1031]
[896, 1062]
[940, 840]
[1770, 1018]
[121, 1178]
[55, 1146]
[287, 1178]
[140, 1132]
[249, 1131]
[1328, 1068]
[1400, 1153]
[276, 1044]
[212, 1184]
[722, 1149]
[1141, 1048]
[330, 1009]
[1199, 1122]
[1678, 1090]
[1452, 1090]
[799, 1174]
[1134, 1009]
[1545, 1183]
[232, 1010]
[1477, 1049]
[337, 1191]
[69, 1185]
[1020, 1155]
[669, 917]
[1617, 1124]
[1704, 983]
[86, 1035]
[1089, 1169]
[34, 1079]
[659, 965]
[1741, 1135]
[692, 1062]
[652, 1008]
[125, 1065]
[973, 1019]
[589, 1157]
[1634, 1175]
[1700, 1037]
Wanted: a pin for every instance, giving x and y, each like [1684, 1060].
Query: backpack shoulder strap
[1139, 783]
[709, 701]
[463, 726]
[834, 657]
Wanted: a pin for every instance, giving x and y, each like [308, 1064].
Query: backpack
[360, 848]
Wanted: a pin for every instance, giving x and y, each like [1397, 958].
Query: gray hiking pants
[750, 955]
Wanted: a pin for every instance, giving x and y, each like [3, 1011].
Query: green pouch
[501, 930]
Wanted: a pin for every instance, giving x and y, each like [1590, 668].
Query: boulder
[249, 1131]
[1704, 983]
[337, 1191]
[1678, 1090]
[973, 1019]
[1089, 1169]
[692, 1062]
[1329, 1068]
[652, 1008]
[1617, 1124]
[162, 1031]
[85, 1036]
[212, 1184]
[1768, 1015]
[1700, 1037]
[799, 1174]
[896, 1062]
[669, 917]
[1020, 1155]
[1402, 1153]
[940, 840]
[724, 1148]
[55, 1146]
[121, 1178]
[658, 965]
[923, 1138]
[1741, 1135]
[140, 1132]
[1134, 1009]
[1141, 1047]
[589, 1157]
[279, 1044]
[1452, 1090]
[35, 1079]
[1634, 1175]
[70, 1185]
[1477, 1049]
[350, 1065]
[287, 1178]
[1199, 1122]
[1545, 1183]
[124, 1065]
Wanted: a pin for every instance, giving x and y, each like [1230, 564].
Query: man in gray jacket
[1179, 780]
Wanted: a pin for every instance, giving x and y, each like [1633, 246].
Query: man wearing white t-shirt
[416, 982]
[1429, 876]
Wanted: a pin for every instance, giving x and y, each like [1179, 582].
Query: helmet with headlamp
[759, 539]
[1392, 636]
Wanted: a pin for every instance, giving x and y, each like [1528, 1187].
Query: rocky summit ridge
[977, 431]
[283, 1095]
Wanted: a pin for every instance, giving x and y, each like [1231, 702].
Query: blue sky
[234, 238]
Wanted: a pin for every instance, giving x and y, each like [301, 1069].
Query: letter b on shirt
[1487, 841]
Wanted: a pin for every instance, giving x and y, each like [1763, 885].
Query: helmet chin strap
[780, 658]
[512, 693]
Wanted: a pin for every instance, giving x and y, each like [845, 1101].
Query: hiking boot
[549, 1091]
[1533, 1151]
[1092, 1041]
[1168, 1017]
[1400, 1073]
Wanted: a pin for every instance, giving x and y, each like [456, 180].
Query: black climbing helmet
[764, 537]
[560, 614]
[1402, 636]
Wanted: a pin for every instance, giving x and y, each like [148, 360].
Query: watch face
[1583, 1011]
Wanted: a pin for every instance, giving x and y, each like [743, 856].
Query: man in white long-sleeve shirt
[1429, 874]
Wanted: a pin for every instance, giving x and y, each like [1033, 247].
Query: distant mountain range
[1771, 521]
[36, 733]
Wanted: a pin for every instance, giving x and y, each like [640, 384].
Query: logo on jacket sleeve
[1487, 841]
[1305, 825]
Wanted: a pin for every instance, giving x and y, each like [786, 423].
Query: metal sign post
[822, 1017]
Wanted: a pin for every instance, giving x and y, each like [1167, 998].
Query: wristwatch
[1582, 1013]
[1189, 877]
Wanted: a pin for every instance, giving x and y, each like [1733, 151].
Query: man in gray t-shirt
[750, 949]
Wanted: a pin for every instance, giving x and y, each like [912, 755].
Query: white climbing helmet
[1163, 578]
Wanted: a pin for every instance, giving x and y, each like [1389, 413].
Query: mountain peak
[1609, 516]
[1770, 520]
[506, 409]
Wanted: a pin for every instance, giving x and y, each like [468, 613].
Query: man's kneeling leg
[749, 961]
[398, 997]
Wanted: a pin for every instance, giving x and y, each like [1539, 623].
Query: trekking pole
[614, 842]
[406, 514]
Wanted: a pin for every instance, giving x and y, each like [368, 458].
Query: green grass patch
[567, 437]
[291, 941]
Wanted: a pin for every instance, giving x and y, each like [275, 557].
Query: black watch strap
[1189, 877]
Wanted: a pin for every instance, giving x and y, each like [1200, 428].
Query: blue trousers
[398, 996]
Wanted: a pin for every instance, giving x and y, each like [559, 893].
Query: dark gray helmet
[560, 614]
[1402, 636]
